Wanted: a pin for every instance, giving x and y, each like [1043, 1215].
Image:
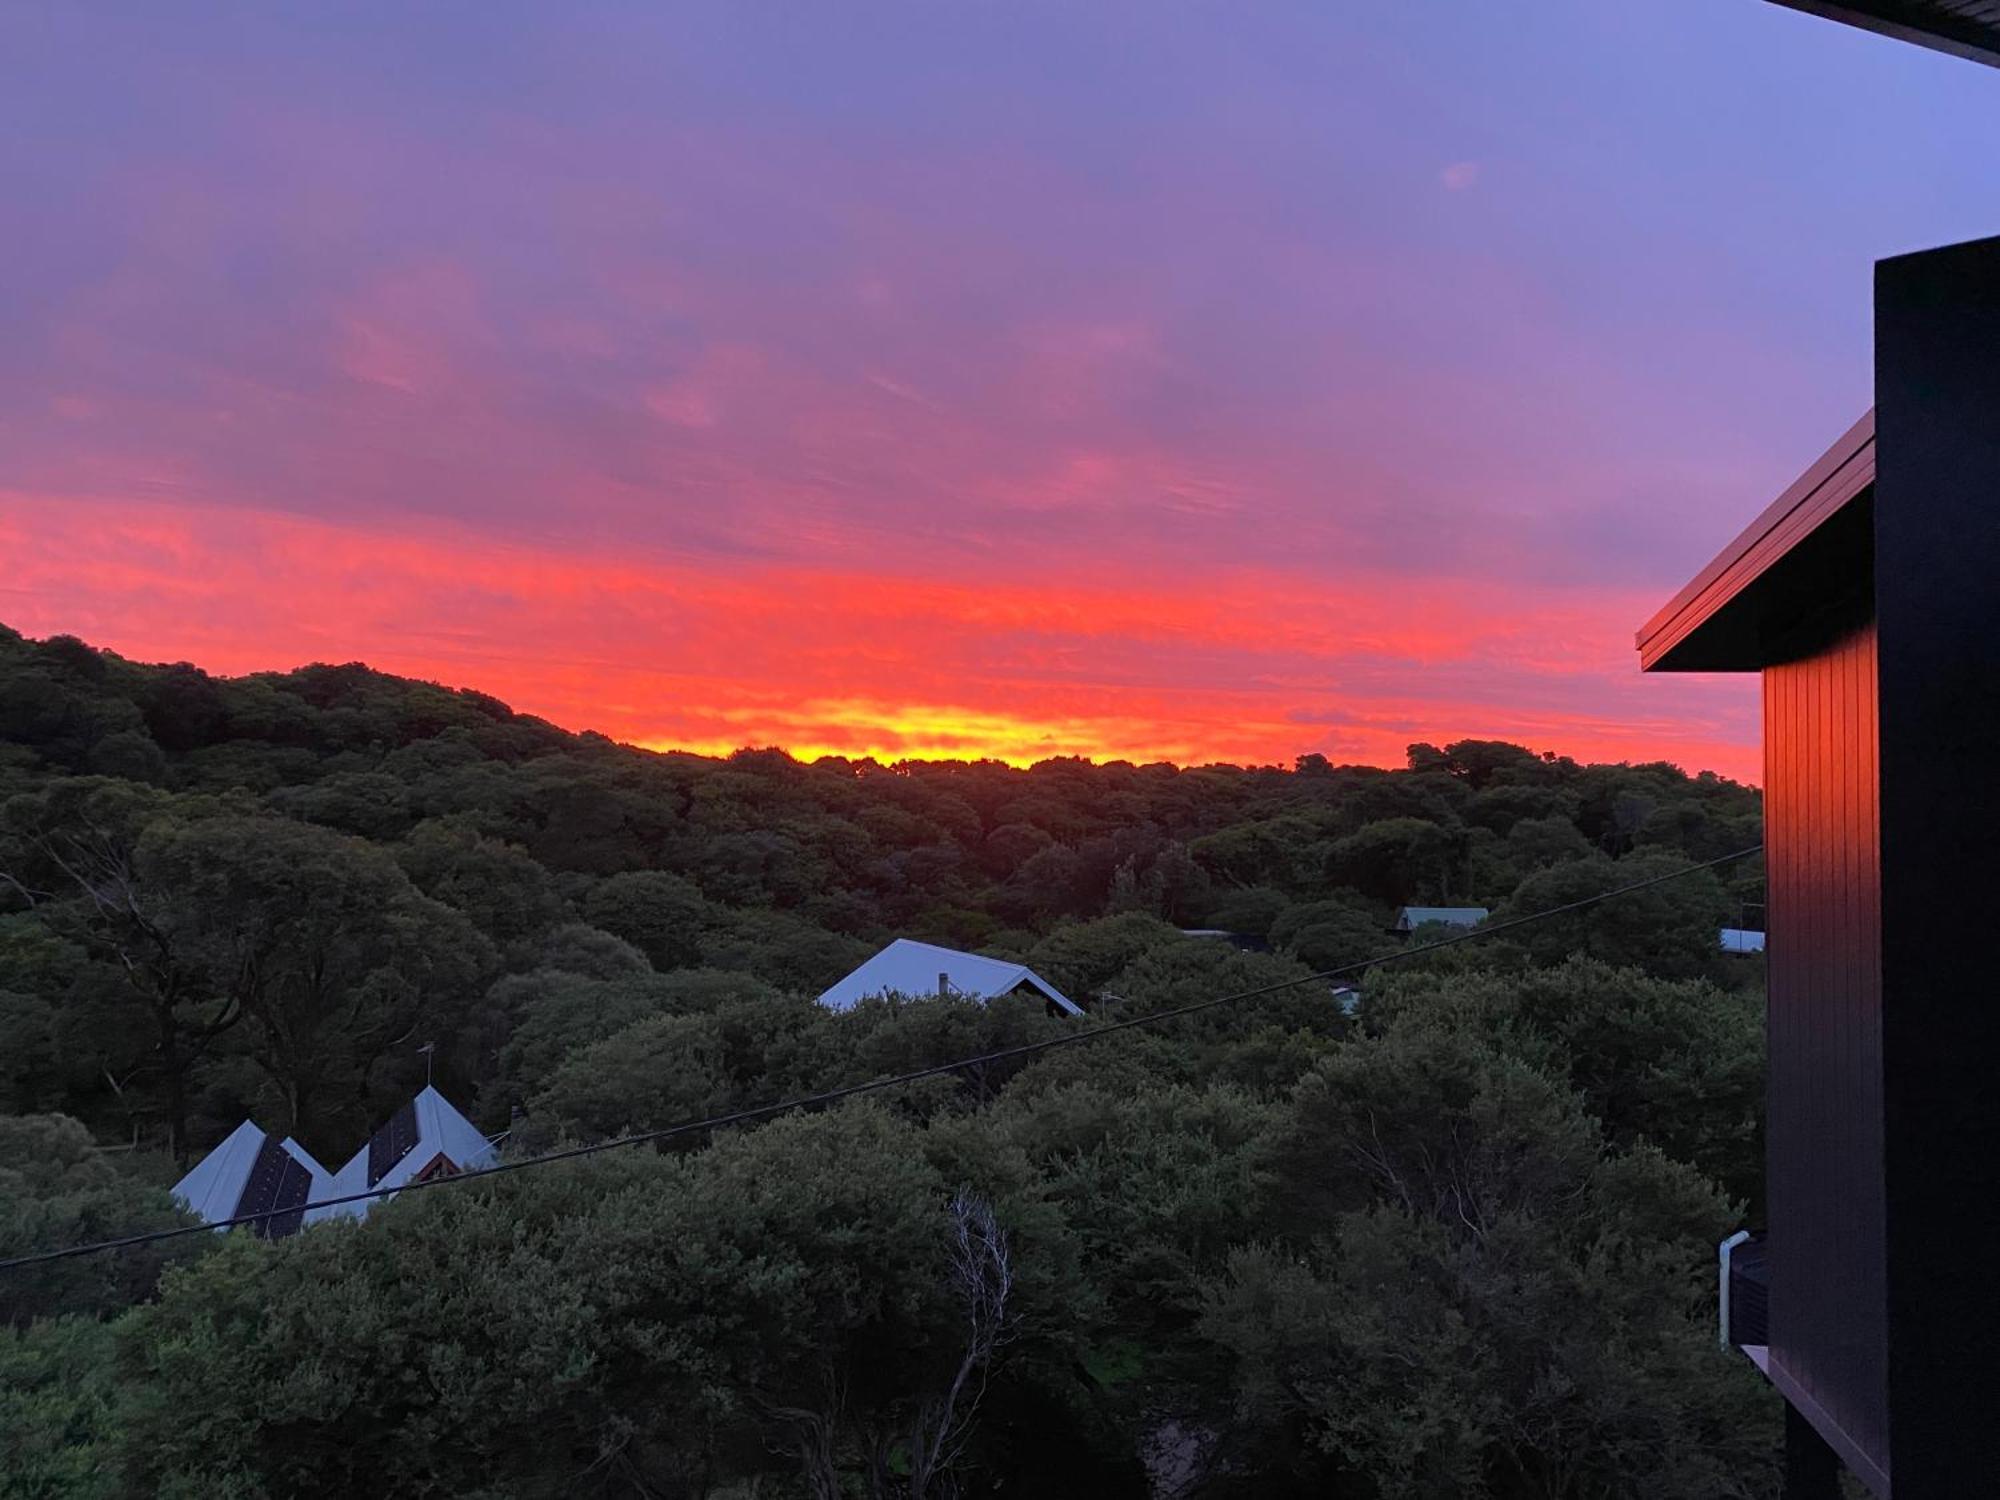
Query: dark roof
[1809, 548]
[1965, 28]
[275, 1181]
[392, 1142]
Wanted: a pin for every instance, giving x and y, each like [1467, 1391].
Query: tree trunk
[175, 1066]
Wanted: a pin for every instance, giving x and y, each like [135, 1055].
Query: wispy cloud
[1010, 378]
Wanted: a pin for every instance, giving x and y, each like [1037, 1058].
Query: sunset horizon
[972, 385]
[886, 734]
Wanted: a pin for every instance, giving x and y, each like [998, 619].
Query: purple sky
[1185, 381]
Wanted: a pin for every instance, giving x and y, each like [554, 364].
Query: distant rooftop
[1410, 918]
[425, 1138]
[907, 967]
[251, 1172]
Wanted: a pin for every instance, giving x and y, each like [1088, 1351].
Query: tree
[1678, 1064]
[1398, 860]
[1248, 909]
[636, 1325]
[321, 941]
[59, 1408]
[1469, 1293]
[662, 915]
[73, 857]
[658, 1071]
[979, 1280]
[549, 1014]
[1535, 844]
[1329, 934]
[1082, 957]
[1671, 929]
[57, 1189]
[505, 894]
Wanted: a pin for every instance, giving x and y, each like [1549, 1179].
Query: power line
[875, 1085]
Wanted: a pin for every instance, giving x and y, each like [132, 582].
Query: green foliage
[1082, 958]
[1676, 1063]
[321, 940]
[1671, 930]
[1399, 861]
[59, 1409]
[1482, 1297]
[664, 916]
[57, 1188]
[626, 1327]
[1459, 1242]
[1326, 935]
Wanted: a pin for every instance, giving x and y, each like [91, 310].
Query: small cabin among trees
[251, 1172]
[912, 969]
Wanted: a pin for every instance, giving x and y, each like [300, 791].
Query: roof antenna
[429, 1050]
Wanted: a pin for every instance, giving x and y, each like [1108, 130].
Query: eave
[1727, 617]
[1964, 28]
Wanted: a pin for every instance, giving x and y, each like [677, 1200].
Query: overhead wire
[876, 1085]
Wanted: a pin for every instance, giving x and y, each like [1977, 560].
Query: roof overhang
[1964, 28]
[1808, 552]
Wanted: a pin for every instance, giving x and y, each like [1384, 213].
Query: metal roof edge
[1838, 475]
[1932, 26]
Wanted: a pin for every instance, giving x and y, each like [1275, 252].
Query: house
[910, 968]
[1863, 597]
[251, 1173]
[1410, 918]
[426, 1138]
[1741, 940]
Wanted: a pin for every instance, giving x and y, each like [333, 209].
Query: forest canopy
[1453, 1239]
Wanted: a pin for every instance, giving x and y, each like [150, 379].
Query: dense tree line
[1456, 1239]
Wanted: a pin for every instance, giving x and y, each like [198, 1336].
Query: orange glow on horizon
[1249, 667]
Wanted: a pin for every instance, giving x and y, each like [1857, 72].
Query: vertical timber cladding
[1868, 595]
[1828, 1318]
[1937, 597]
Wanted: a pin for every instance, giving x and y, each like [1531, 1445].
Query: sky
[1142, 381]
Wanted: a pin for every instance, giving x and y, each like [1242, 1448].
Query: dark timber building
[1868, 596]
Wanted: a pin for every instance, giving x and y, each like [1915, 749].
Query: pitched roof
[408, 1146]
[1785, 565]
[249, 1173]
[1412, 917]
[907, 967]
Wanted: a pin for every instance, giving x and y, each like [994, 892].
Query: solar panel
[276, 1181]
[392, 1142]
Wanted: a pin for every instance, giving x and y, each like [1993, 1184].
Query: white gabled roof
[907, 967]
[415, 1137]
[213, 1189]
[215, 1182]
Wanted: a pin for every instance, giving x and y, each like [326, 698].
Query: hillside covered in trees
[1458, 1241]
